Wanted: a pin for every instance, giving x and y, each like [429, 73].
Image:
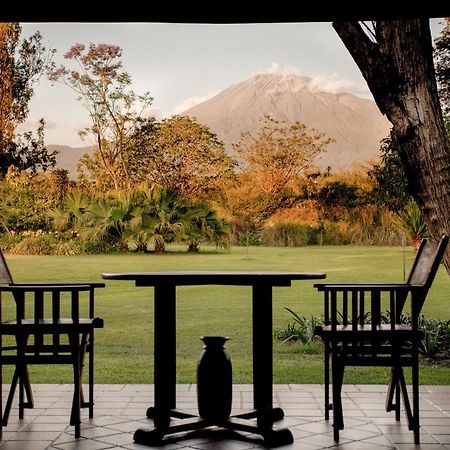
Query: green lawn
[124, 346]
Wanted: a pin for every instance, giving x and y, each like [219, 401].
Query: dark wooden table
[165, 284]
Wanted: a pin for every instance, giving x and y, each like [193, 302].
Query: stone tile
[442, 438]
[323, 440]
[355, 445]
[35, 436]
[106, 420]
[84, 444]
[381, 441]
[120, 410]
[315, 427]
[126, 427]
[24, 445]
[408, 438]
[437, 429]
[51, 419]
[355, 434]
[38, 427]
[97, 432]
[417, 447]
[117, 439]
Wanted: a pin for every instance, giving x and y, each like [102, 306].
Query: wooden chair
[44, 324]
[357, 333]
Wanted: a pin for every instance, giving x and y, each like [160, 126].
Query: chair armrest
[57, 285]
[340, 287]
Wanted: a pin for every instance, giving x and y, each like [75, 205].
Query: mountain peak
[354, 123]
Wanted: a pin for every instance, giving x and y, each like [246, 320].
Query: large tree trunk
[397, 63]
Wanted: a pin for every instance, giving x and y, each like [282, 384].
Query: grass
[124, 347]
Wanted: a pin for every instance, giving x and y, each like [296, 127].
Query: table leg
[262, 354]
[165, 354]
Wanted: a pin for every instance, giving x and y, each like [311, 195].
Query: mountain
[68, 157]
[355, 123]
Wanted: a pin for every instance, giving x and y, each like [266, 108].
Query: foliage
[442, 64]
[270, 163]
[436, 339]
[115, 110]
[138, 218]
[278, 153]
[204, 225]
[41, 243]
[286, 234]
[21, 65]
[181, 154]
[410, 220]
[249, 238]
[24, 201]
[28, 152]
[391, 188]
[299, 329]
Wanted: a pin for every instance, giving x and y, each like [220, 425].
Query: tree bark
[397, 63]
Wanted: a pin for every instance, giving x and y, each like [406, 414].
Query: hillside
[68, 157]
[355, 123]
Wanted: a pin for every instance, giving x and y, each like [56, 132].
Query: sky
[184, 64]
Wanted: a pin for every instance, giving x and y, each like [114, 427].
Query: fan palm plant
[410, 220]
[72, 215]
[205, 225]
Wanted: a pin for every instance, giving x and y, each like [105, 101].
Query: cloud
[334, 85]
[330, 83]
[192, 101]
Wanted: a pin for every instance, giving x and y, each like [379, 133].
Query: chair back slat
[333, 307]
[375, 306]
[362, 311]
[5, 274]
[392, 310]
[345, 308]
[75, 303]
[354, 310]
[326, 309]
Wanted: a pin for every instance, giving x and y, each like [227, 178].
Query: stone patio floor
[120, 410]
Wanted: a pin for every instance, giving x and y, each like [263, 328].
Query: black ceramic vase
[214, 380]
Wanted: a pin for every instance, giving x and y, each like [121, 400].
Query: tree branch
[358, 44]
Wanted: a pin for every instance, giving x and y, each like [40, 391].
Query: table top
[238, 278]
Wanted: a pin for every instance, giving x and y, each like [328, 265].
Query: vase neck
[214, 341]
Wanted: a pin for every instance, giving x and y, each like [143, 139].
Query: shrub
[300, 329]
[249, 238]
[34, 245]
[285, 234]
[95, 248]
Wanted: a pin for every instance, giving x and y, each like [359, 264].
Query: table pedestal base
[240, 422]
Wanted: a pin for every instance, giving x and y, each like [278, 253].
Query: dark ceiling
[218, 12]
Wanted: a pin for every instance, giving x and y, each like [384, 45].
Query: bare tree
[396, 59]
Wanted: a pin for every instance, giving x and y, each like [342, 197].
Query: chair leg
[75, 416]
[415, 387]
[91, 374]
[337, 368]
[394, 390]
[327, 381]
[83, 349]
[1, 390]
[87, 346]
